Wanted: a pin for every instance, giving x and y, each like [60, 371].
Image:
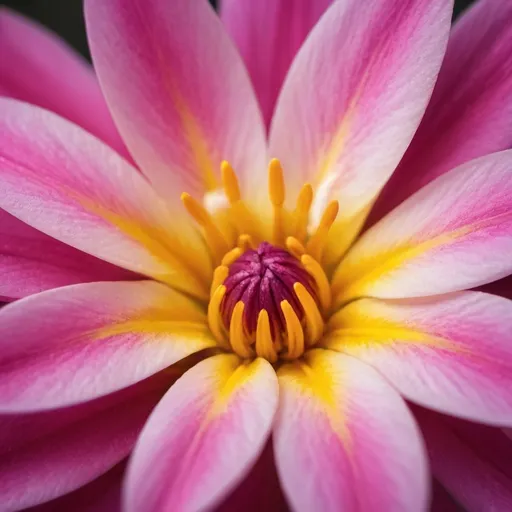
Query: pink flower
[257, 322]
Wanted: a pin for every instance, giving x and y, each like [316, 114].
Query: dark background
[65, 17]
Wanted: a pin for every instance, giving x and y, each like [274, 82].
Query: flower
[255, 316]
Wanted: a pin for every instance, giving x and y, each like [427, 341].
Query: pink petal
[470, 114]
[472, 461]
[72, 344]
[453, 234]
[64, 182]
[47, 454]
[178, 91]
[260, 490]
[203, 437]
[268, 34]
[39, 68]
[31, 262]
[441, 500]
[101, 495]
[353, 100]
[345, 440]
[451, 353]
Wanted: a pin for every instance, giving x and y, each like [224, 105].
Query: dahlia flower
[218, 292]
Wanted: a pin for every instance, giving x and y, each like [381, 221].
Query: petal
[47, 454]
[203, 437]
[473, 462]
[451, 353]
[31, 262]
[39, 68]
[64, 182]
[101, 495]
[470, 114]
[441, 500]
[453, 234]
[268, 34]
[73, 344]
[345, 440]
[178, 91]
[350, 105]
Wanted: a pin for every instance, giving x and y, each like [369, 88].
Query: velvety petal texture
[453, 234]
[203, 437]
[178, 91]
[451, 353]
[47, 454]
[353, 99]
[31, 262]
[84, 341]
[268, 34]
[39, 68]
[66, 183]
[473, 462]
[345, 440]
[470, 114]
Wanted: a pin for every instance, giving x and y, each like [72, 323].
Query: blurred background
[66, 18]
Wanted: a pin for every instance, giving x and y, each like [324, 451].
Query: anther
[316, 243]
[219, 276]
[276, 192]
[294, 331]
[264, 343]
[230, 182]
[237, 337]
[315, 270]
[314, 321]
[231, 256]
[214, 317]
[295, 247]
[245, 242]
[301, 213]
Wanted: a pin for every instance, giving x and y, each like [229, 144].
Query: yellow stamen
[276, 192]
[245, 243]
[214, 317]
[316, 243]
[295, 247]
[213, 236]
[231, 256]
[294, 331]
[264, 344]
[230, 182]
[314, 321]
[315, 270]
[237, 337]
[301, 213]
[219, 276]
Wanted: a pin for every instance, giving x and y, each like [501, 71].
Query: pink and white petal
[48, 454]
[72, 344]
[260, 489]
[451, 353]
[66, 183]
[183, 103]
[455, 233]
[345, 440]
[472, 462]
[470, 114]
[39, 68]
[350, 105]
[101, 495]
[268, 34]
[203, 437]
[31, 262]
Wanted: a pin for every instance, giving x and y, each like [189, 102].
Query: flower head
[259, 310]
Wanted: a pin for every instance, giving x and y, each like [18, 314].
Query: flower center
[267, 299]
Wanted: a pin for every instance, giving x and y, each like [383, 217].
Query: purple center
[262, 279]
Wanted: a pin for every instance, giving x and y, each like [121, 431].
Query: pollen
[269, 294]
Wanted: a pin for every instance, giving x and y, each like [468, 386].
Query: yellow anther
[314, 321]
[213, 236]
[214, 316]
[231, 256]
[316, 243]
[230, 182]
[237, 337]
[276, 192]
[301, 213]
[219, 276]
[264, 344]
[245, 242]
[315, 270]
[295, 247]
[294, 331]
